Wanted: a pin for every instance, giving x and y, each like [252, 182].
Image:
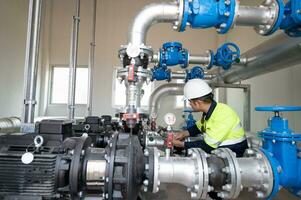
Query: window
[60, 85]
[119, 93]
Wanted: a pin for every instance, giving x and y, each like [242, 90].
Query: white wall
[13, 23]
[276, 88]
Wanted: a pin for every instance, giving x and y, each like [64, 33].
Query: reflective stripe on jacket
[222, 128]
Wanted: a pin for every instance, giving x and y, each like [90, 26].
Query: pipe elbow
[148, 16]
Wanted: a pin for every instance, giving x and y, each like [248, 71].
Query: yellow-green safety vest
[222, 128]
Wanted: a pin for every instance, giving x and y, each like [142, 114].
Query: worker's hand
[178, 143]
[181, 135]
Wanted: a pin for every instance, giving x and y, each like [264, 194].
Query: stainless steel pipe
[10, 124]
[91, 59]
[253, 16]
[73, 61]
[32, 59]
[148, 16]
[277, 53]
[163, 91]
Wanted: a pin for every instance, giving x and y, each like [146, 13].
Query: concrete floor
[178, 192]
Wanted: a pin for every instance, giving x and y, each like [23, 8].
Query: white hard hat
[196, 88]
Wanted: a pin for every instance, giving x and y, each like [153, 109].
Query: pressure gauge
[170, 119]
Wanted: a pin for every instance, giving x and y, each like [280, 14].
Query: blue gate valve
[291, 23]
[280, 147]
[226, 55]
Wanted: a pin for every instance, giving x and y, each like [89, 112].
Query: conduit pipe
[73, 61]
[277, 53]
[150, 15]
[31, 60]
[163, 91]
[91, 59]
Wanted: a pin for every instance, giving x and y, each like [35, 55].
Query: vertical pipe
[73, 61]
[91, 58]
[31, 60]
[247, 108]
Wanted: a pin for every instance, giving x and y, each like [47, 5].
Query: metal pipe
[163, 91]
[91, 59]
[277, 53]
[252, 16]
[10, 124]
[73, 61]
[32, 59]
[203, 59]
[150, 15]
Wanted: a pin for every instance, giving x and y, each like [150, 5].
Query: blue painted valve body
[172, 54]
[220, 14]
[280, 147]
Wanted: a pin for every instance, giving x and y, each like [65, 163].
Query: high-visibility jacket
[223, 127]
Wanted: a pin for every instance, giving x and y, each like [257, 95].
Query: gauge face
[170, 119]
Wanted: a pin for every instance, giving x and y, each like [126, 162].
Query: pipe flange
[232, 189]
[200, 190]
[266, 188]
[140, 72]
[276, 11]
[181, 24]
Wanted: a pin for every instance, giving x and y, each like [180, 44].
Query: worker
[219, 125]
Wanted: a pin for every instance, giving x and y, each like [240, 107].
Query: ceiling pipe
[277, 53]
[31, 60]
[163, 91]
[73, 61]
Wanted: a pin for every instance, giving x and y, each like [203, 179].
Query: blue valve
[227, 54]
[190, 121]
[161, 73]
[278, 108]
[208, 13]
[196, 72]
[280, 148]
[173, 54]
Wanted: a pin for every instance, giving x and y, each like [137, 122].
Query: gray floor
[178, 192]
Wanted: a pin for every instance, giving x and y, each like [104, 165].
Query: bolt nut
[227, 187]
[259, 194]
[193, 195]
[145, 182]
[226, 170]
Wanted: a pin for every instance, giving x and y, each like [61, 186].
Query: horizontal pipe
[277, 53]
[202, 59]
[177, 170]
[252, 16]
[148, 16]
[10, 124]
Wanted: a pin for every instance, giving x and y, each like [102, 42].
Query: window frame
[49, 99]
